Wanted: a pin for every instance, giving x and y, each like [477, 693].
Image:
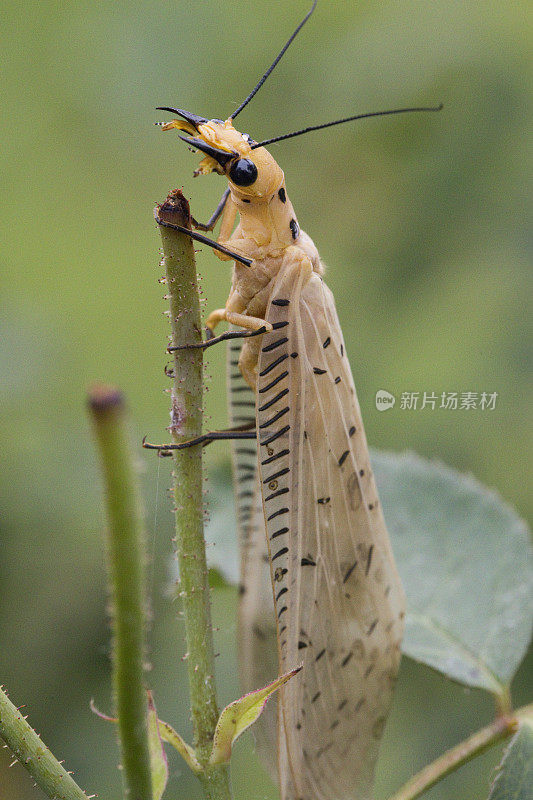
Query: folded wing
[338, 600]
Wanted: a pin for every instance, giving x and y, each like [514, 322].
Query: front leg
[226, 227]
[233, 314]
[253, 326]
[249, 323]
[234, 318]
[250, 349]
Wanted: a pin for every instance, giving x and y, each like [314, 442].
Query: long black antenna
[274, 63]
[346, 119]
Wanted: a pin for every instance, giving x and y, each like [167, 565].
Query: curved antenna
[346, 119]
[274, 63]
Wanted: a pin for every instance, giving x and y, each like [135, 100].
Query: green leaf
[165, 732]
[514, 780]
[239, 715]
[466, 562]
[101, 714]
[169, 735]
[158, 759]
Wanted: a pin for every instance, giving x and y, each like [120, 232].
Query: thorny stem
[186, 423]
[30, 750]
[502, 728]
[126, 559]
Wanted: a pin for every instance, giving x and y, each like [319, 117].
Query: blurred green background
[421, 219]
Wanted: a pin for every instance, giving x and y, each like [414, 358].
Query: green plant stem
[34, 755]
[502, 728]
[126, 570]
[186, 423]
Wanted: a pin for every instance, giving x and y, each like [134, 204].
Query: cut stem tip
[102, 397]
[175, 209]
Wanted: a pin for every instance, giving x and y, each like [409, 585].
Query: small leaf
[158, 759]
[169, 735]
[514, 780]
[101, 714]
[466, 562]
[239, 715]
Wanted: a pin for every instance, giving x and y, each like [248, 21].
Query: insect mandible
[319, 585]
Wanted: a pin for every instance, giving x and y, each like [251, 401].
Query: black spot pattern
[295, 228]
[319, 581]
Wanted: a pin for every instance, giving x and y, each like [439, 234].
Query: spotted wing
[258, 663]
[241, 402]
[339, 603]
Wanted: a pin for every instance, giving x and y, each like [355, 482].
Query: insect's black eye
[243, 172]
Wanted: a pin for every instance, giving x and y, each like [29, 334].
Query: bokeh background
[422, 220]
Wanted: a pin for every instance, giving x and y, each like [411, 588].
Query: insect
[319, 584]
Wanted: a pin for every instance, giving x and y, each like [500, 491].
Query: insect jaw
[192, 121]
[220, 156]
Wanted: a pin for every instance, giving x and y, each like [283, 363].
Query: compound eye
[243, 172]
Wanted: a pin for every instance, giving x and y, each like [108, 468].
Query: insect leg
[255, 324]
[198, 237]
[216, 339]
[212, 221]
[232, 313]
[216, 316]
[246, 431]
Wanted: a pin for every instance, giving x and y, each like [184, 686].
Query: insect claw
[162, 448]
[212, 339]
[203, 239]
[193, 346]
[245, 431]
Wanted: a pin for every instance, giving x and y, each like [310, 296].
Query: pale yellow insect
[319, 582]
